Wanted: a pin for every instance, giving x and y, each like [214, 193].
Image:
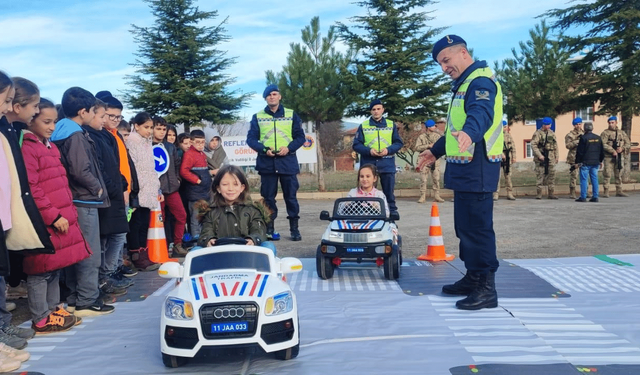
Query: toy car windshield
[359, 208]
[230, 260]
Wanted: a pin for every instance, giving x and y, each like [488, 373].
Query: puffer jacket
[239, 220]
[194, 168]
[50, 189]
[142, 156]
[28, 233]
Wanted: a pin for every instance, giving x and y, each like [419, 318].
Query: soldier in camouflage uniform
[571, 140]
[424, 142]
[509, 149]
[626, 170]
[612, 136]
[544, 141]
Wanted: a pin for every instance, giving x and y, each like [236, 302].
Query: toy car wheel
[324, 266]
[392, 265]
[173, 361]
[288, 353]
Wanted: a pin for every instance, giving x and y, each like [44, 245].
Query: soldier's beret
[613, 118]
[577, 120]
[546, 121]
[446, 42]
[429, 123]
[504, 123]
[269, 90]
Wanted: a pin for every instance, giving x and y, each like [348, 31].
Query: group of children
[82, 184]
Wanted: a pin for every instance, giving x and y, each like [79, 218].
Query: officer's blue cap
[446, 42]
[269, 90]
[546, 121]
[374, 102]
[613, 118]
[429, 123]
[504, 123]
[577, 120]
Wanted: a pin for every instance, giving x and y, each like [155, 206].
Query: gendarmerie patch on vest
[482, 95]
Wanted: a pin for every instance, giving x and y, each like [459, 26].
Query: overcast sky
[63, 43]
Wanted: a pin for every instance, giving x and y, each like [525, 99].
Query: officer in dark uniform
[276, 134]
[377, 141]
[472, 143]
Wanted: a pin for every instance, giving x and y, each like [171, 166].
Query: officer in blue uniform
[472, 143]
[276, 134]
[377, 141]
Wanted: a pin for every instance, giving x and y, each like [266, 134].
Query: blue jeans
[589, 171]
[82, 277]
[112, 245]
[43, 294]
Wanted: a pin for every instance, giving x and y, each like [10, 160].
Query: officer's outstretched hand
[425, 159]
[464, 141]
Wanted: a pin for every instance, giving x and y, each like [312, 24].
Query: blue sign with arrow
[161, 158]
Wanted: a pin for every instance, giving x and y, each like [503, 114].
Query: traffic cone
[156, 240]
[435, 246]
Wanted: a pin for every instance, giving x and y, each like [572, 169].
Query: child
[89, 192]
[149, 196]
[367, 181]
[50, 190]
[172, 134]
[216, 156]
[195, 172]
[184, 143]
[124, 129]
[231, 214]
[170, 184]
[113, 219]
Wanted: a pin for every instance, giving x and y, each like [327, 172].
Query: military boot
[272, 235]
[496, 196]
[552, 195]
[295, 232]
[484, 296]
[436, 197]
[510, 196]
[423, 197]
[620, 193]
[539, 193]
[572, 193]
[463, 286]
[605, 194]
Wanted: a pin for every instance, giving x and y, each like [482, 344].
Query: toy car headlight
[175, 308]
[336, 235]
[376, 235]
[279, 304]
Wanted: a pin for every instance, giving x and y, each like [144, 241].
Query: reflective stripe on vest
[275, 132]
[494, 137]
[377, 138]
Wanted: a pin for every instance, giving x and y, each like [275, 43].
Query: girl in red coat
[50, 189]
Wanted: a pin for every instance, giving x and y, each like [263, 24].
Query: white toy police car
[229, 295]
[360, 231]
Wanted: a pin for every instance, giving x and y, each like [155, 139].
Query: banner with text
[240, 154]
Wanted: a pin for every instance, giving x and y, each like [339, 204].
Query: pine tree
[394, 63]
[180, 72]
[316, 82]
[538, 81]
[612, 44]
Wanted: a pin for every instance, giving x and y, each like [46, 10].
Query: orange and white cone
[435, 245]
[156, 240]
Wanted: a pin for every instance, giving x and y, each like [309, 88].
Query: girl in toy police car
[367, 181]
[232, 214]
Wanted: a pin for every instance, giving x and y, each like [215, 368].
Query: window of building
[528, 153]
[586, 114]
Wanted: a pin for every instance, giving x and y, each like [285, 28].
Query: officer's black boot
[295, 232]
[464, 286]
[272, 235]
[483, 297]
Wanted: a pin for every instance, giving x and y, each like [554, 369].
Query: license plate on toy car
[355, 250]
[229, 327]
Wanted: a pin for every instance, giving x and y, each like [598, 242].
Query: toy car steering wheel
[230, 241]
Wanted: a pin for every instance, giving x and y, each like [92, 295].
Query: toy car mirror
[170, 270]
[324, 215]
[290, 265]
[394, 215]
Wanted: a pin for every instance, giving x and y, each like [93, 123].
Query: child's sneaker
[98, 308]
[17, 292]
[54, 324]
[141, 261]
[13, 341]
[23, 333]
[11, 306]
[127, 271]
[16, 354]
[64, 313]
[7, 364]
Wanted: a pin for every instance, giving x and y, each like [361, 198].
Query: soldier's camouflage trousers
[424, 179]
[507, 181]
[573, 176]
[611, 169]
[548, 180]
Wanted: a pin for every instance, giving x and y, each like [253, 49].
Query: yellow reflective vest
[494, 138]
[377, 138]
[275, 132]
